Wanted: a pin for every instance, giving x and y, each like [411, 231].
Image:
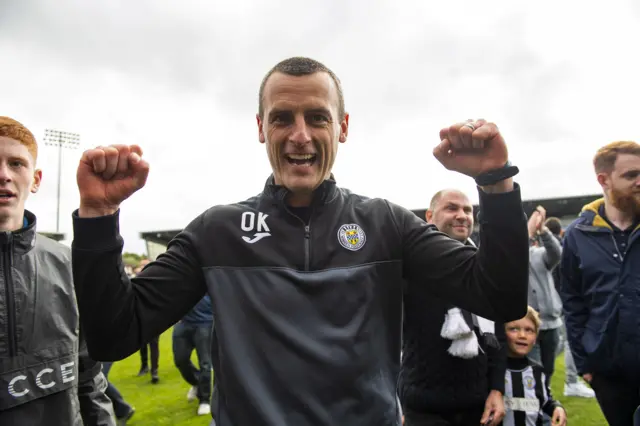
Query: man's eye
[319, 118]
[280, 118]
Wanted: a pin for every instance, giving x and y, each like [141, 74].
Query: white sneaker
[192, 394]
[204, 409]
[578, 389]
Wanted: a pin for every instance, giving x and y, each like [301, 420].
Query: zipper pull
[307, 232]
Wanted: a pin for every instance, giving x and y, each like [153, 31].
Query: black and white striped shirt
[526, 397]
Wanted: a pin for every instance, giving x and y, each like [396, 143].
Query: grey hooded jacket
[46, 375]
[543, 296]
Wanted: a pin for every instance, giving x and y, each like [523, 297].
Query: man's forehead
[626, 162]
[311, 91]
[454, 197]
[10, 146]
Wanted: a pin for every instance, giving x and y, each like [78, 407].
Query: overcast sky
[560, 78]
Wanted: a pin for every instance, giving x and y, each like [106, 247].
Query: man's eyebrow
[18, 157]
[319, 110]
[277, 111]
[631, 171]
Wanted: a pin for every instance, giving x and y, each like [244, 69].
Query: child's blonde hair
[534, 317]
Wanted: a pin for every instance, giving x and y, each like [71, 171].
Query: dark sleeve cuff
[500, 206]
[551, 407]
[497, 379]
[96, 233]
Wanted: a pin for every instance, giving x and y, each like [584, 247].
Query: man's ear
[603, 180]
[428, 215]
[344, 129]
[37, 179]
[260, 130]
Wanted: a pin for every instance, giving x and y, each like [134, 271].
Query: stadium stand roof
[56, 236]
[160, 237]
[561, 207]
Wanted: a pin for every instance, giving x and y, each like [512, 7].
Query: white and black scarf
[464, 339]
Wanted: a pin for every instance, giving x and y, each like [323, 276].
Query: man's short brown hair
[13, 129]
[605, 159]
[554, 225]
[298, 66]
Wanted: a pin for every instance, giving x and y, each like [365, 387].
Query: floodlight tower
[61, 140]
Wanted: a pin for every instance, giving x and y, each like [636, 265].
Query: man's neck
[299, 200]
[619, 218]
[12, 223]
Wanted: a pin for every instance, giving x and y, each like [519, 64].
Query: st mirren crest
[351, 236]
[530, 382]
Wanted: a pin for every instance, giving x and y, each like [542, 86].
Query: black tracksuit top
[308, 315]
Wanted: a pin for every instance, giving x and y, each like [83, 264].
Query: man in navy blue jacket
[600, 274]
[193, 331]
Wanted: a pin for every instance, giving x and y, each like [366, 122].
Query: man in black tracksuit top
[303, 277]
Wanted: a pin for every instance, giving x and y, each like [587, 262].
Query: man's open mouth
[301, 159]
[522, 345]
[6, 195]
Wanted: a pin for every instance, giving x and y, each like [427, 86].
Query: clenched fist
[107, 176]
[471, 148]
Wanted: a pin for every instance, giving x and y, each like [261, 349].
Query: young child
[526, 396]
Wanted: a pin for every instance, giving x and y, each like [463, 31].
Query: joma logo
[252, 223]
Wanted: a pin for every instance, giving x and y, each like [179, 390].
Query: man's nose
[300, 133]
[5, 175]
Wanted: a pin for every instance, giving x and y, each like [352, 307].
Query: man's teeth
[301, 157]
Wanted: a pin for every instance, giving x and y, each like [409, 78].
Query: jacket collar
[322, 195]
[23, 239]
[593, 220]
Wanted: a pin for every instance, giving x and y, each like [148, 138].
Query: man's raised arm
[119, 315]
[492, 280]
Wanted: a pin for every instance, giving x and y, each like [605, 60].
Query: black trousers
[618, 398]
[155, 355]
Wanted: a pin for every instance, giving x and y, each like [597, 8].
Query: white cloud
[181, 79]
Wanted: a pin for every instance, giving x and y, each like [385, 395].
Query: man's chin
[301, 184]
[626, 202]
[460, 235]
